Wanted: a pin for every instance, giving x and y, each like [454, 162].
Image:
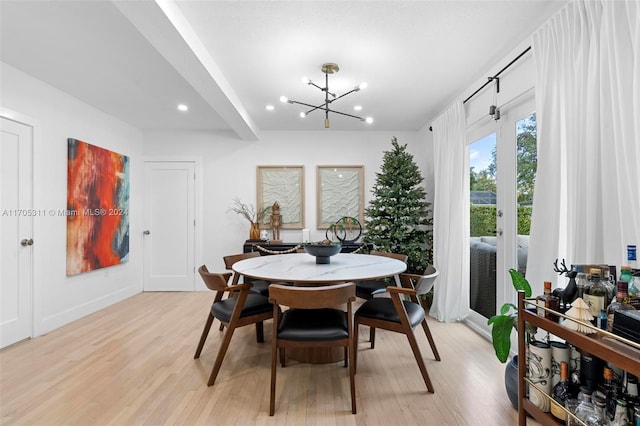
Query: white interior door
[16, 225]
[169, 226]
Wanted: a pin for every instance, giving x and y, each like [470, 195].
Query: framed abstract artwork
[340, 193]
[284, 184]
[97, 207]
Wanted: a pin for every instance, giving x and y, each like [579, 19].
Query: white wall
[59, 299]
[229, 170]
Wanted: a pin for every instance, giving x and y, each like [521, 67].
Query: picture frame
[340, 193]
[284, 184]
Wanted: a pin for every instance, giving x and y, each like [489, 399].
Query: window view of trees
[483, 215]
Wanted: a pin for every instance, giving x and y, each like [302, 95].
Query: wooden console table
[252, 245]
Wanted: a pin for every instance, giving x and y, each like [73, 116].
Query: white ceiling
[136, 60]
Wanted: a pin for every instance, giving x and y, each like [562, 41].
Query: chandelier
[329, 97]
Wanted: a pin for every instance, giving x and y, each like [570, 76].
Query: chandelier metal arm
[324, 89]
[328, 68]
[348, 115]
[322, 107]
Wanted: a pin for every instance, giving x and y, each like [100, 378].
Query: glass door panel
[526, 166]
[483, 241]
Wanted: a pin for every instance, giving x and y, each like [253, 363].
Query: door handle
[26, 242]
[146, 232]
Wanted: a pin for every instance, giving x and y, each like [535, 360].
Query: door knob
[26, 242]
[146, 232]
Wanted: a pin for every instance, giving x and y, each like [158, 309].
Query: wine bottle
[560, 392]
[595, 295]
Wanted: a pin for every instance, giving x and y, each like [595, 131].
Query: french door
[502, 158]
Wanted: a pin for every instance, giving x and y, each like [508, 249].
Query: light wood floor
[132, 364]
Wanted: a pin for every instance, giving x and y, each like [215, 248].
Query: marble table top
[302, 268]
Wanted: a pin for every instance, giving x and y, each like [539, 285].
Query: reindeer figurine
[570, 292]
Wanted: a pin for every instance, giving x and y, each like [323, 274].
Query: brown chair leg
[427, 331]
[272, 397]
[372, 337]
[283, 357]
[260, 332]
[221, 353]
[346, 355]
[416, 352]
[221, 328]
[203, 337]
[432, 343]
[352, 376]
[356, 325]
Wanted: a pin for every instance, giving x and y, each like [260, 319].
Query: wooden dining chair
[312, 321]
[244, 308]
[259, 286]
[369, 289]
[422, 284]
[397, 315]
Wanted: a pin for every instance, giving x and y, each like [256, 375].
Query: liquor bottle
[631, 388]
[586, 407]
[599, 417]
[610, 392]
[634, 284]
[620, 418]
[560, 392]
[581, 282]
[595, 295]
[603, 320]
[605, 279]
[547, 300]
[620, 304]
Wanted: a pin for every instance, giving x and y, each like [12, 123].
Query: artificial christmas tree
[398, 218]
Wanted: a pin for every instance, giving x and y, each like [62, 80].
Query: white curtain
[586, 205]
[451, 215]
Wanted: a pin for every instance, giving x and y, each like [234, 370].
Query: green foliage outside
[483, 220]
[526, 159]
[398, 219]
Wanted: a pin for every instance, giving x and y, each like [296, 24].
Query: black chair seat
[255, 304]
[259, 287]
[371, 287]
[262, 287]
[382, 308]
[313, 325]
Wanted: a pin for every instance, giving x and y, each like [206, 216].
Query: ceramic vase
[254, 231]
[540, 374]
[560, 352]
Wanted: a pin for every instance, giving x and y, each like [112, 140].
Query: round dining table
[302, 270]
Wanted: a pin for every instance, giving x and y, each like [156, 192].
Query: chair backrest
[425, 282]
[398, 256]
[214, 281]
[312, 297]
[233, 258]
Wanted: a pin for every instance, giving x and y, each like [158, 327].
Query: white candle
[305, 235]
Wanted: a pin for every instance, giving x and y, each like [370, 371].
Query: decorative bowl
[322, 252]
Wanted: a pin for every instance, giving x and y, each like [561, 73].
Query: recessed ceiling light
[182, 107]
[270, 107]
[358, 108]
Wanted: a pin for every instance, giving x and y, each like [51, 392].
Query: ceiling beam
[165, 27]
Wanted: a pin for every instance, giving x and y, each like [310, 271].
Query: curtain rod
[490, 79]
[495, 77]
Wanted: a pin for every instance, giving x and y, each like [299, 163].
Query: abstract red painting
[97, 207]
